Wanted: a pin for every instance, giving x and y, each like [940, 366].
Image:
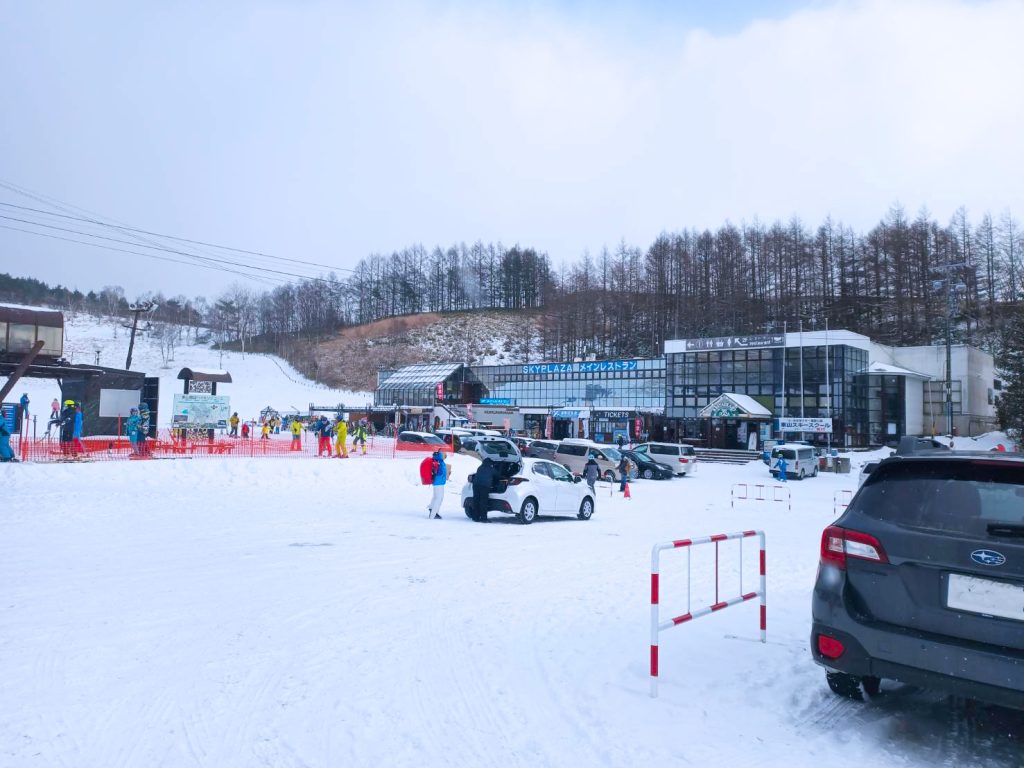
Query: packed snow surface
[244, 612]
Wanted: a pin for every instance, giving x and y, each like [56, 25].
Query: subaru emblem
[987, 557]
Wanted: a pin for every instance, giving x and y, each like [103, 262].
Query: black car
[647, 468]
[921, 580]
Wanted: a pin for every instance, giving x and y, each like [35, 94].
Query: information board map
[209, 411]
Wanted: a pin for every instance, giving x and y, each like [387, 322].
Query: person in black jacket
[67, 426]
[483, 483]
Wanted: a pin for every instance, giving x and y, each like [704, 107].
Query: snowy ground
[306, 613]
[258, 380]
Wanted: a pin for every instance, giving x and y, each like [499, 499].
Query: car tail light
[684, 461]
[838, 544]
[829, 647]
[517, 480]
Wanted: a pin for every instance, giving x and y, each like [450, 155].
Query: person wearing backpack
[434, 472]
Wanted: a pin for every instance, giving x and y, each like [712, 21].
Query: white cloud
[324, 132]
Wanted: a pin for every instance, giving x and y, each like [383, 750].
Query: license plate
[991, 598]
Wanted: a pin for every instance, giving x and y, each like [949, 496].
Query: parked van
[573, 453]
[682, 458]
[800, 460]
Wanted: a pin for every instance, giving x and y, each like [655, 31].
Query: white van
[572, 453]
[800, 460]
[681, 457]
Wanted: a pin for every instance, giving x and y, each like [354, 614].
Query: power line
[263, 278]
[145, 242]
[159, 248]
[173, 237]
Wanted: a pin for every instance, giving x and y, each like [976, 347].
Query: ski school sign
[594, 367]
[818, 426]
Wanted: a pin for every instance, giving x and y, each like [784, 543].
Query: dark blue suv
[921, 580]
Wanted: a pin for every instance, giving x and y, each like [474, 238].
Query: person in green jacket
[359, 436]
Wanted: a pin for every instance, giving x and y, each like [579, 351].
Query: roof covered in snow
[884, 369]
[735, 404]
[204, 374]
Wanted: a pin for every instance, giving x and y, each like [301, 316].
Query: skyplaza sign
[594, 367]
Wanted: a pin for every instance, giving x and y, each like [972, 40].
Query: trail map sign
[818, 426]
[196, 410]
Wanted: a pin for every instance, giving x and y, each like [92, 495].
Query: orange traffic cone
[625, 493]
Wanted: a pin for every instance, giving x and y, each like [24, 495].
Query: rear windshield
[496, 448]
[545, 446]
[962, 497]
[784, 453]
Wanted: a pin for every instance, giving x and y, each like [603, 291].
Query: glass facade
[628, 384]
[694, 379]
[886, 415]
[425, 385]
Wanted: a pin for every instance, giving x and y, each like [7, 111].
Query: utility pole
[951, 288]
[137, 309]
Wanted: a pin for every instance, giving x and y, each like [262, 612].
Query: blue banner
[590, 367]
[496, 401]
[9, 412]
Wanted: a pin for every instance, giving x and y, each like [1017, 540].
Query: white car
[681, 457]
[534, 487]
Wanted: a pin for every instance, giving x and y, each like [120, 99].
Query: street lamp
[953, 289]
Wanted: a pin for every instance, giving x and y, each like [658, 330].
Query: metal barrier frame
[658, 626]
[760, 494]
[837, 506]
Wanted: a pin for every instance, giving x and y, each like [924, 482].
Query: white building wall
[914, 400]
[972, 367]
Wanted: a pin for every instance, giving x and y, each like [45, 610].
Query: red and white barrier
[840, 501]
[761, 493]
[657, 625]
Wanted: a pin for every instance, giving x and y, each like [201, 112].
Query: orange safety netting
[168, 445]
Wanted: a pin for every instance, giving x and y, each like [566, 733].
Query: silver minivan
[681, 457]
[573, 454]
[800, 459]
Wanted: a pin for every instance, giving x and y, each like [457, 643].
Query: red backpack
[427, 469]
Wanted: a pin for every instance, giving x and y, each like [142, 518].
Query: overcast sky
[326, 131]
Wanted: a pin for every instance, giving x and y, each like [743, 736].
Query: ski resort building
[729, 392]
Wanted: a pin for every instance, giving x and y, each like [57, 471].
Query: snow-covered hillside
[258, 380]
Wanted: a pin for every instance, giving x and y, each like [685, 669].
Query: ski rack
[657, 625]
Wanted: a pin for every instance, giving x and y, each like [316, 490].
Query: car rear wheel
[814, 473]
[586, 509]
[871, 684]
[528, 512]
[847, 686]
[648, 474]
[468, 509]
[802, 475]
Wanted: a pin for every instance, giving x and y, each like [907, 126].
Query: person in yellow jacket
[296, 428]
[341, 432]
[233, 421]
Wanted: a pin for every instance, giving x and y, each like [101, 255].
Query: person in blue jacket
[131, 427]
[6, 454]
[440, 473]
[782, 466]
[76, 430]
